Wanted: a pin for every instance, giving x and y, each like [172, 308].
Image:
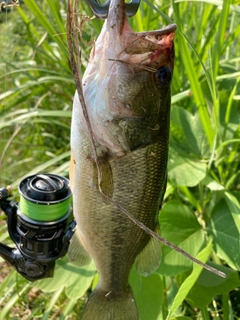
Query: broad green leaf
[148, 293]
[179, 225]
[183, 170]
[234, 207]
[188, 145]
[76, 280]
[210, 285]
[212, 184]
[187, 133]
[189, 282]
[225, 234]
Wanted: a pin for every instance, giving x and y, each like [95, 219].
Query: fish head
[128, 76]
[144, 70]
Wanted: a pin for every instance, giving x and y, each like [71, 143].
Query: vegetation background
[201, 213]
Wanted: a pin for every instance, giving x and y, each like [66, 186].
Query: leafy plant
[202, 202]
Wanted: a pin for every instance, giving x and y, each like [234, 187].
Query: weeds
[202, 202]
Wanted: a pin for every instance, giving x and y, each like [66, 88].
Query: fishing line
[75, 62]
[3, 5]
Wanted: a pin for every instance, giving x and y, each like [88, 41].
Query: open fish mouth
[151, 48]
[156, 38]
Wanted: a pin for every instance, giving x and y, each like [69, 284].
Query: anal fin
[77, 254]
[149, 258]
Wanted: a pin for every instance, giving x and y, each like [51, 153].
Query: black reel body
[41, 225]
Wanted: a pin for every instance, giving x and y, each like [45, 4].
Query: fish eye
[163, 76]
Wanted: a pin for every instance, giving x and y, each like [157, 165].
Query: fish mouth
[163, 37]
[152, 39]
[151, 48]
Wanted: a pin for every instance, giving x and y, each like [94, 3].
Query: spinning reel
[41, 224]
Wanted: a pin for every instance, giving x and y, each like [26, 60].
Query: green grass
[202, 201]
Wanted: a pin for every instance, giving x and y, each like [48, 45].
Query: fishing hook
[101, 10]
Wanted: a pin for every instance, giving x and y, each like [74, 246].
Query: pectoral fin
[106, 179]
[149, 258]
[77, 254]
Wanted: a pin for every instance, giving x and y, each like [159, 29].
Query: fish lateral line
[73, 46]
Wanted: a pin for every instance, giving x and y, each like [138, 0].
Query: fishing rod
[41, 225]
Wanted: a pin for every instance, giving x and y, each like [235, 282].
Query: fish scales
[129, 111]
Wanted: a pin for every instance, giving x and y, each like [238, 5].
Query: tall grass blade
[41, 17]
[43, 167]
[11, 302]
[194, 82]
[52, 303]
[217, 49]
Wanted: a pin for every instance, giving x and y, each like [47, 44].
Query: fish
[120, 165]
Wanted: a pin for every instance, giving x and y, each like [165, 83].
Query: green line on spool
[44, 212]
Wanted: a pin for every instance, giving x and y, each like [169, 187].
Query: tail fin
[107, 306]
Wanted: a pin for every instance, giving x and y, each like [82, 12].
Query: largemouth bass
[127, 93]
